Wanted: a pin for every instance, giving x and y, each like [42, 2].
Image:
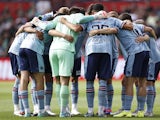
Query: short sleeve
[78, 17]
[84, 26]
[141, 27]
[118, 23]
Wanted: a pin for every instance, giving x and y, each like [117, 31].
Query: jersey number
[95, 27]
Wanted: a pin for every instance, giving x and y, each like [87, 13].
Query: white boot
[74, 110]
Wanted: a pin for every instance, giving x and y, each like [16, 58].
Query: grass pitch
[6, 106]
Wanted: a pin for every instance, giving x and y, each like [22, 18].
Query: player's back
[33, 43]
[14, 48]
[61, 43]
[128, 39]
[154, 51]
[100, 43]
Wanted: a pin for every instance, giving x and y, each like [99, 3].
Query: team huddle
[49, 46]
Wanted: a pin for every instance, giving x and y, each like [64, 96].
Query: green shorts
[61, 62]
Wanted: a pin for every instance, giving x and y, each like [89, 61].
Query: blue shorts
[153, 71]
[47, 64]
[77, 67]
[114, 64]
[14, 63]
[99, 63]
[31, 61]
[137, 65]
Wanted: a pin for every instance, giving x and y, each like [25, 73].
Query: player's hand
[19, 30]
[35, 21]
[62, 20]
[68, 38]
[101, 14]
[129, 24]
[140, 39]
[39, 34]
[93, 32]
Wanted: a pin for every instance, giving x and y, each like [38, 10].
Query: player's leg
[48, 85]
[15, 98]
[66, 61]
[74, 95]
[141, 97]
[110, 90]
[74, 87]
[39, 92]
[143, 61]
[104, 74]
[24, 91]
[48, 93]
[123, 91]
[55, 73]
[57, 89]
[101, 97]
[90, 73]
[64, 96]
[129, 71]
[152, 76]
[24, 68]
[134, 113]
[149, 98]
[34, 98]
[123, 94]
[21, 107]
[154, 92]
[37, 69]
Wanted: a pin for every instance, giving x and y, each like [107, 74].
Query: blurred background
[14, 13]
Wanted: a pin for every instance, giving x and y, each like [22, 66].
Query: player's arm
[84, 19]
[74, 27]
[45, 25]
[128, 25]
[103, 31]
[146, 28]
[60, 34]
[47, 16]
[39, 34]
[142, 38]
[21, 29]
[150, 30]
[30, 30]
[98, 15]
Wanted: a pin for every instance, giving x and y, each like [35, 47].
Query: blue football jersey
[15, 46]
[128, 39]
[101, 43]
[154, 51]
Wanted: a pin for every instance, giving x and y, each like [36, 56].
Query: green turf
[6, 107]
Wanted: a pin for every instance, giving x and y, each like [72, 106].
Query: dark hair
[113, 14]
[97, 7]
[82, 11]
[89, 9]
[58, 15]
[76, 9]
[54, 12]
[125, 16]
